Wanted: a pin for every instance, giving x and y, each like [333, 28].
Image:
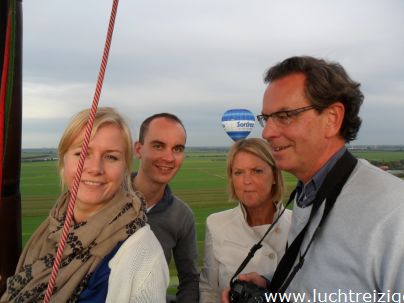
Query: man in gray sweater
[346, 241]
[160, 149]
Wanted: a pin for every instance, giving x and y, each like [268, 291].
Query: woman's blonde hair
[104, 115]
[261, 149]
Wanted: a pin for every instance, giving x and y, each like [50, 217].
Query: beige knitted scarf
[87, 244]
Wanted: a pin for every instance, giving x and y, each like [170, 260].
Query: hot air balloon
[10, 136]
[238, 123]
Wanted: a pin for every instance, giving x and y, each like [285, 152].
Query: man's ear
[335, 117]
[137, 149]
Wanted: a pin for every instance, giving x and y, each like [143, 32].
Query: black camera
[245, 292]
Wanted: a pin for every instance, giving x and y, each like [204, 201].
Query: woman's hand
[225, 297]
[254, 278]
[251, 277]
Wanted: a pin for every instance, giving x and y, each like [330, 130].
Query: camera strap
[328, 192]
[258, 245]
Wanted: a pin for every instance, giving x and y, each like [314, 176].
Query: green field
[201, 183]
[382, 156]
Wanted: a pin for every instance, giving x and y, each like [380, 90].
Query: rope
[83, 154]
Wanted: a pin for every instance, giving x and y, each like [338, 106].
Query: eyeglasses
[283, 117]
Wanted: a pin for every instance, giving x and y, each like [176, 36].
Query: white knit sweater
[139, 271]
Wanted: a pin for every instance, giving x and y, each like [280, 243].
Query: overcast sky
[199, 58]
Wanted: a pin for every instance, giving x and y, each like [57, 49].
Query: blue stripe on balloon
[238, 135]
[238, 114]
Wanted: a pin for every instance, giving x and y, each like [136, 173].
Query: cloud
[199, 58]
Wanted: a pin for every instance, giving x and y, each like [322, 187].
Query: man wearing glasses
[346, 242]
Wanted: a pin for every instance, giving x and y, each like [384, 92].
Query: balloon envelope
[238, 123]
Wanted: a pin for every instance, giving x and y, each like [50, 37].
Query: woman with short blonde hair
[257, 185]
[260, 148]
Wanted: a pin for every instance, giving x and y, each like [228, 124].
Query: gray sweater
[173, 223]
[360, 250]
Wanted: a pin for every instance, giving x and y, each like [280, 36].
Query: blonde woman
[111, 254]
[257, 184]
